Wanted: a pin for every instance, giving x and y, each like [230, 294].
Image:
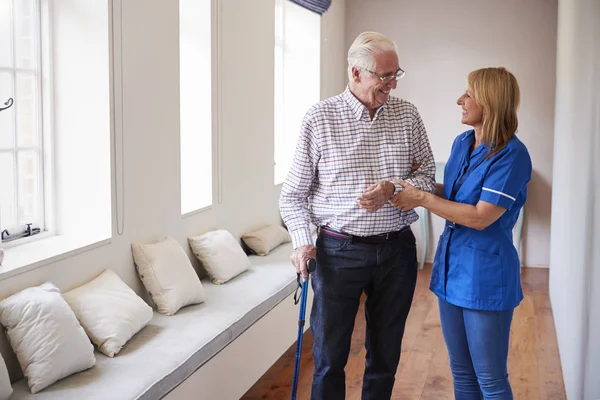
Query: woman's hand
[408, 198]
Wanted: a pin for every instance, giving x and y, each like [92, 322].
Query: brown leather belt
[375, 239]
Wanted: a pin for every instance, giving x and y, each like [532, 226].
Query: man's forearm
[422, 182]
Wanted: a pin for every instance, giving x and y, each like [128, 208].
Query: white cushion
[109, 311]
[263, 240]
[49, 342]
[167, 273]
[220, 254]
[5, 386]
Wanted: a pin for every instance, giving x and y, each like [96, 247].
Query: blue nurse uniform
[480, 269]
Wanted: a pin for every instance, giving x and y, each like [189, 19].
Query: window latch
[8, 104]
[29, 231]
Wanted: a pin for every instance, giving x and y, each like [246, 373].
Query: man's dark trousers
[346, 268]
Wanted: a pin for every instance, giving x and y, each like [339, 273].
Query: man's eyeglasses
[389, 78]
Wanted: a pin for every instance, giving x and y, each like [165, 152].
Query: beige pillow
[109, 311]
[263, 240]
[46, 336]
[167, 274]
[220, 254]
[5, 386]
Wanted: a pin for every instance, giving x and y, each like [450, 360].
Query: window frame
[42, 150]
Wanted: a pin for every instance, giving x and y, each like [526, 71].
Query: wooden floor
[533, 363]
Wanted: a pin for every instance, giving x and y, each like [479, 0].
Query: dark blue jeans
[387, 273]
[477, 344]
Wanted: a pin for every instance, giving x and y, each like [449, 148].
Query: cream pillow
[5, 386]
[49, 342]
[263, 240]
[220, 254]
[167, 273]
[109, 311]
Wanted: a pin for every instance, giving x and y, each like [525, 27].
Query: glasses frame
[389, 78]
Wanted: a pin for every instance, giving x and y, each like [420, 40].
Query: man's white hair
[362, 52]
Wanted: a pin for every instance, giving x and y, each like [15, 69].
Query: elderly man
[351, 147]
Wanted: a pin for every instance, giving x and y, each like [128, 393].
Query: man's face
[371, 91]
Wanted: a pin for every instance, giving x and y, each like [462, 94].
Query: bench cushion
[170, 348]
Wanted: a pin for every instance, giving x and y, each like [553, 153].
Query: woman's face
[472, 112]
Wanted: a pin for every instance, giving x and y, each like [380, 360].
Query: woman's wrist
[424, 198]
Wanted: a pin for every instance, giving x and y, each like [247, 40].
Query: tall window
[195, 102]
[297, 76]
[21, 144]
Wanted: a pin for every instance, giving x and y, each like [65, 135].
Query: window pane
[6, 59]
[298, 55]
[29, 187]
[8, 209]
[25, 34]
[27, 113]
[7, 134]
[195, 104]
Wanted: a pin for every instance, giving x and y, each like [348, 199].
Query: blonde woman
[476, 272]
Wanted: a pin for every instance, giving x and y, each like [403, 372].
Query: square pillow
[44, 333]
[5, 386]
[167, 274]
[109, 311]
[220, 254]
[263, 240]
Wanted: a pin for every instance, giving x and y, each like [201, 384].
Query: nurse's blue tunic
[480, 269]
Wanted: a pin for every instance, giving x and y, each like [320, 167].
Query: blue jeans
[477, 344]
[387, 273]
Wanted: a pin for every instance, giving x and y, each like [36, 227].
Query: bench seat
[169, 349]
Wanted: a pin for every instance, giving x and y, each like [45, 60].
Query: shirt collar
[469, 135]
[468, 139]
[358, 109]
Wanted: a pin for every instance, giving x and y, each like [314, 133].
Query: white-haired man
[350, 148]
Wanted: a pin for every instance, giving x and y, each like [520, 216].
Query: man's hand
[300, 257]
[376, 196]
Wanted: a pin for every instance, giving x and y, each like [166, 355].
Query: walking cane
[310, 265]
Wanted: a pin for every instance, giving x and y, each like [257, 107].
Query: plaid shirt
[340, 153]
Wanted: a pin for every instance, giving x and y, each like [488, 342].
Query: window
[55, 143]
[196, 104]
[21, 135]
[297, 77]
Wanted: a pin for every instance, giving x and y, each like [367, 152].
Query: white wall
[575, 255]
[440, 42]
[151, 152]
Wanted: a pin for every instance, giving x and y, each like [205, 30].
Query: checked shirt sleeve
[297, 188]
[424, 177]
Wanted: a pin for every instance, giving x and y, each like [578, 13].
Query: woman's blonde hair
[497, 91]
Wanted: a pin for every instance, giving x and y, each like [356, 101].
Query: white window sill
[29, 256]
[195, 212]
